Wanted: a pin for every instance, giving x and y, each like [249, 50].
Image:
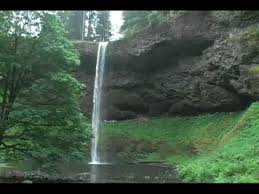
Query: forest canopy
[87, 25]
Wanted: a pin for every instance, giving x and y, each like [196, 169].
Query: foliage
[40, 114]
[236, 161]
[220, 147]
[87, 25]
[103, 26]
[136, 21]
[251, 34]
[248, 40]
[73, 23]
[254, 69]
[201, 132]
[91, 19]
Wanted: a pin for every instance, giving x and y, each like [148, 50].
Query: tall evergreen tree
[103, 26]
[136, 21]
[74, 23]
[91, 23]
[87, 25]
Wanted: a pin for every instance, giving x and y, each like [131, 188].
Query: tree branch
[22, 150]
[14, 136]
[36, 124]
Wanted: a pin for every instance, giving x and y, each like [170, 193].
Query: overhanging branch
[20, 149]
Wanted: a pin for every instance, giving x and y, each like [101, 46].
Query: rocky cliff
[201, 61]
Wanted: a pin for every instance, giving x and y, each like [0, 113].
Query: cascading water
[96, 124]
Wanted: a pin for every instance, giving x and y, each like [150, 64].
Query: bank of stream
[206, 148]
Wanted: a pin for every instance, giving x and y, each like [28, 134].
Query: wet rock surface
[197, 63]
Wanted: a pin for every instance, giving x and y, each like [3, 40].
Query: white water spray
[96, 124]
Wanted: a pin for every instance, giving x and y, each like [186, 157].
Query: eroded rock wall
[200, 62]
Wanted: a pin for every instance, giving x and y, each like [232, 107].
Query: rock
[159, 107]
[198, 63]
[125, 100]
[111, 113]
[110, 121]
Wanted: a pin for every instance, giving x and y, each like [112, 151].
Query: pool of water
[108, 173]
[131, 173]
[121, 173]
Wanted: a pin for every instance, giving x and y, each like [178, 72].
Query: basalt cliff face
[201, 61]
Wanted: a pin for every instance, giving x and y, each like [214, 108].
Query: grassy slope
[221, 147]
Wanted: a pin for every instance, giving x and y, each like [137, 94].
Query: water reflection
[94, 172]
[97, 171]
[114, 173]
[131, 173]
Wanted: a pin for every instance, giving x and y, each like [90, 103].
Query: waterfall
[96, 124]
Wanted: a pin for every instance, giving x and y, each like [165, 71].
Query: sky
[116, 21]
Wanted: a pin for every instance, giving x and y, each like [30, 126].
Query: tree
[80, 26]
[87, 25]
[136, 21]
[39, 111]
[103, 26]
[74, 23]
[91, 23]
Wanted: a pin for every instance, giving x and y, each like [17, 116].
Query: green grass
[220, 147]
[236, 161]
